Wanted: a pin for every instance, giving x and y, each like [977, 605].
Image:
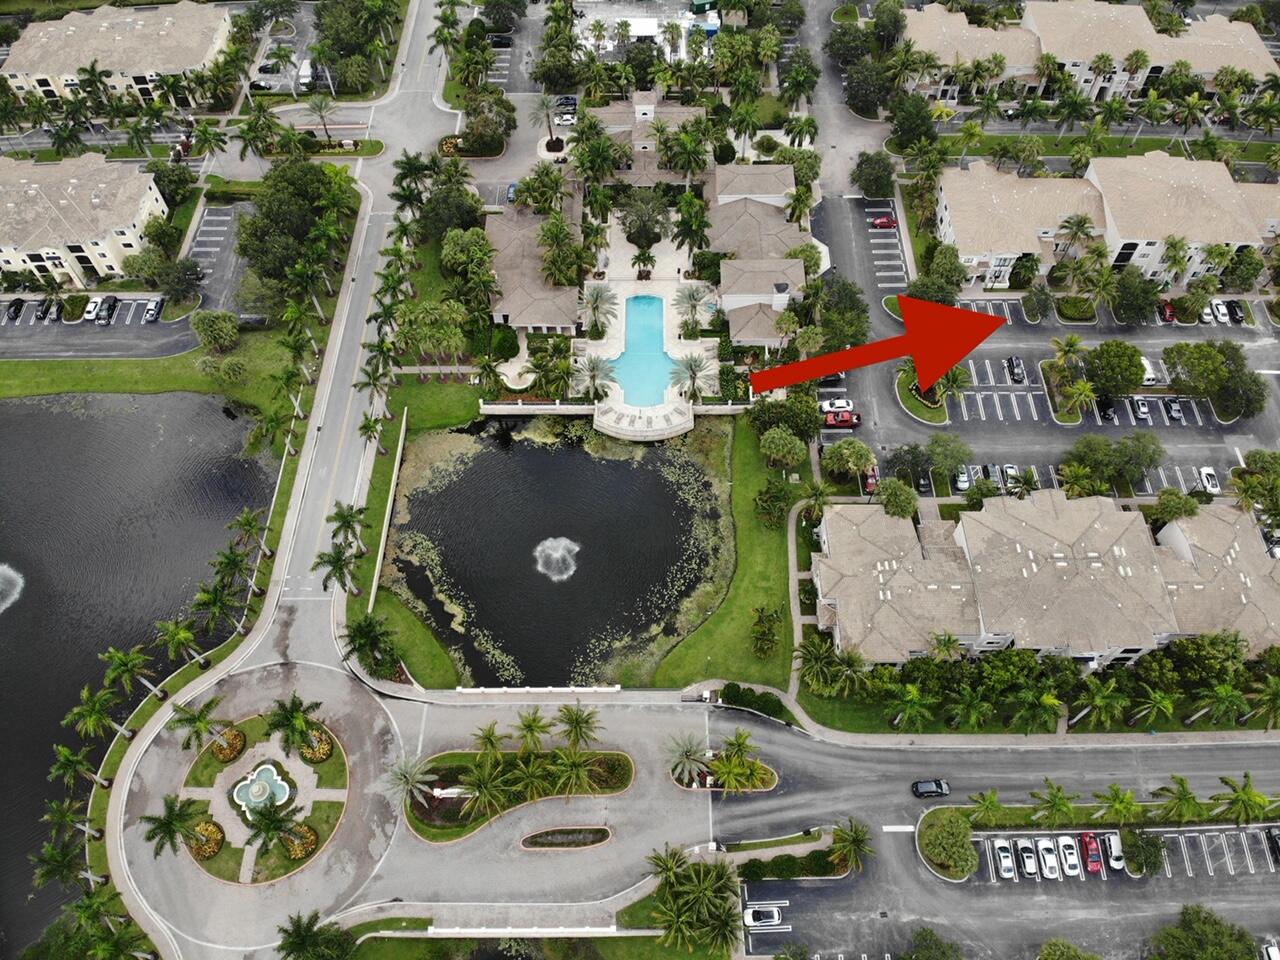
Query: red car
[870, 480]
[1166, 312]
[886, 222]
[1092, 853]
[842, 420]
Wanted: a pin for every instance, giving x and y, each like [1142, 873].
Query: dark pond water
[552, 552]
[110, 509]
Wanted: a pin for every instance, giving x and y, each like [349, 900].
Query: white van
[305, 74]
[1148, 373]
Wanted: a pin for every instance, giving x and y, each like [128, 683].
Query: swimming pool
[644, 369]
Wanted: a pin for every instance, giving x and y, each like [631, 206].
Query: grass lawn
[770, 112]
[182, 215]
[795, 838]
[890, 304]
[639, 915]
[453, 93]
[225, 865]
[1111, 146]
[915, 406]
[364, 148]
[941, 483]
[123, 151]
[603, 784]
[846, 14]
[1255, 152]
[207, 767]
[721, 646]
[332, 773]
[1084, 818]
[919, 235]
[416, 948]
[952, 511]
[648, 948]
[273, 864]
[402, 923]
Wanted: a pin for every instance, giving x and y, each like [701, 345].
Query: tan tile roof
[752, 180]
[754, 323]
[526, 298]
[1156, 195]
[1220, 577]
[761, 277]
[1078, 576]
[164, 39]
[886, 594]
[752, 229]
[952, 38]
[80, 199]
[998, 211]
[1082, 29]
[1263, 202]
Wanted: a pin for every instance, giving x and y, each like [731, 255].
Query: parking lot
[126, 336]
[213, 246]
[884, 243]
[1010, 310]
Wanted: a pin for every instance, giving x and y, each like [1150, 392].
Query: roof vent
[781, 287]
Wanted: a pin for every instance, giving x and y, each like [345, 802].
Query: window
[120, 233]
[1149, 243]
[127, 246]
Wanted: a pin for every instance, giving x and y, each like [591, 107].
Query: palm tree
[249, 528]
[1180, 802]
[178, 639]
[1053, 804]
[571, 771]
[1036, 710]
[968, 136]
[800, 128]
[531, 726]
[1076, 228]
[339, 564]
[321, 106]
[690, 302]
[63, 816]
[909, 707]
[579, 727]
[1266, 699]
[1118, 806]
[69, 764]
[686, 753]
[597, 308]
[486, 792]
[271, 823]
[409, 779]
[591, 377]
[667, 865]
[371, 431]
[217, 604]
[1153, 109]
[1153, 703]
[176, 822]
[1102, 702]
[945, 645]
[1223, 702]
[488, 741]
[293, 720]
[970, 707]
[121, 943]
[125, 666]
[1021, 484]
[372, 643]
[850, 845]
[987, 808]
[60, 861]
[347, 520]
[91, 717]
[99, 907]
[306, 938]
[1241, 800]
[693, 374]
[1078, 395]
[199, 723]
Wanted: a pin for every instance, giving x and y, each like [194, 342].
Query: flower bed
[236, 741]
[303, 845]
[210, 842]
[1072, 309]
[916, 405]
[567, 838]
[321, 751]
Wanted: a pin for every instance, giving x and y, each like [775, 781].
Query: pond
[555, 559]
[110, 509]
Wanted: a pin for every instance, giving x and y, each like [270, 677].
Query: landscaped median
[1067, 418]
[471, 788]
[915, 405]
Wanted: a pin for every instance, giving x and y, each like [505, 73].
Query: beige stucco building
[77, 219]
[137, 45]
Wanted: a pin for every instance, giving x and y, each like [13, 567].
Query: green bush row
[761, 701]
[787, 866]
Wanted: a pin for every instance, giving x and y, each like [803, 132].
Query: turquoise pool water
[644, 369]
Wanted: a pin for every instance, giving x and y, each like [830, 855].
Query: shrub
[504, 344]
[1075, 309]
[725, 351]
[73, 306]
[767, 145]
[234, 737]
[946, 840]
[706, 265]
[322, 750]
[216, 329]
[210, 842]
[787, 866]
[725, 152]
[808, 593]
[303, 845]
[761, 701]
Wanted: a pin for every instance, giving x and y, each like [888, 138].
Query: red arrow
[937, 337]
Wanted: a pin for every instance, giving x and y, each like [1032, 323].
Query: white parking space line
[1164, 480]
[1128, 408]
[991, 377]
[1248, 858]
[995, 398]
[982, 414]
[1053, 476]
[1013, 399]
[1186, 856]
[1226, 852]
[1031, 402]
[964, 409]
[1266, 848]
[973, 372]
[1182, 484]
[1196, 410]
[1204, 848]
[1163, 414]
[1164, 854]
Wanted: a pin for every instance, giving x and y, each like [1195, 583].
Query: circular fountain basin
[264, 786]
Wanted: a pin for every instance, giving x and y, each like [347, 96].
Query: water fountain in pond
[557, 558]
[10, 586]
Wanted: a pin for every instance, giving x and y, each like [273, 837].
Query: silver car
[1004, 858]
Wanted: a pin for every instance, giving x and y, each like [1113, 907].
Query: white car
[92, 307]
[566, 120]
[1048, 858]
[1220, 311]
[1142, 408]
[961, 480]
[1069, 853]
[1206, 315]
[1209, 480]
[1115, 852]
[762, 916]
[836, 406]
[1004, 858]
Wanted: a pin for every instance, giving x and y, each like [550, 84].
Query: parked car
[50, 310]
[885, 222]
[1114, 850]
[1092, 852]
[991, 471]
[1026, 857]
[762, 916]
[565, 120]
[1270, 951]
[831, 380]
[153, 310]
[835, 406]
[842, 420]
[1166, 312]
[1209, 480]
[1206, 315]
[261, 85]
[923, 484]
[269, 67]
[1235, 310]
[91, 308]
[1141, 409]
[931, 788]
[1010, 471]
[1004, 858]
[1069, 854]
[1106, 408]
[1017, 370]
[871, 480]
[500, 41]
[1048, 855]
[1173, 408]
[14, 310]
[107, 311]
[511, 193]
[1273, 840]
[1219, 311]
[567, 102]
[960, 482]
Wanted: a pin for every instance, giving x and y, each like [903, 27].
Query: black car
[931, 788]
[831, 380]
[108, 308]
[260, 85]
[268, 68]
[994, 473]
[1273, 841]
[500, 41]
[49, 309]
[1235, 310]
[14, 310]
[1017, 370]
[566, 103]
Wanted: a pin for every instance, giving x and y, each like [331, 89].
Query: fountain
[556, 558]
[264, 785]
[11, 583]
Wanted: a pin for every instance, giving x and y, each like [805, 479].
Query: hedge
[787, 866]
[761, 701]
[1076, 309]
[947, 842]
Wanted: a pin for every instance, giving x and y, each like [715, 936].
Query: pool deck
[674, 416]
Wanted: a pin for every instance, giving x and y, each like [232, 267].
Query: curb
[918, 419]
